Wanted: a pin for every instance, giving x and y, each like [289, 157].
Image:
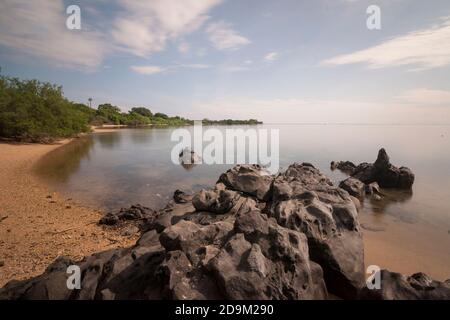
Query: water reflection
[59, 165]
[126, 167]
[109, 140]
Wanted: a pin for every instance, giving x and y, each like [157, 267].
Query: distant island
[35, 111]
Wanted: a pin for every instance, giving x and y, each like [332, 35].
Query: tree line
[35, 111]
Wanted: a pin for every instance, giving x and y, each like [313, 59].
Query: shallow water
[117, 169]
[114, 169]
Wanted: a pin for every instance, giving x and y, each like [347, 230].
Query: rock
[181, 197]
[344, 166]
[307, 201]
[354, 187]
[249, 179]
[2, 263]
[188, 156]
[384, 173]
[254, 236]
[135, 213]
[373, 189]
[213, 201]
[419, 286]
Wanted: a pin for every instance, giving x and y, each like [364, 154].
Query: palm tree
[90, 102]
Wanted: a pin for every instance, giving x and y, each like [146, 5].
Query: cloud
[426, 97]
[272, 56]
[146, 26]
[151, 70]
[148, 70]
[223, 37]
[422, 49]
[38, 28]
[195, 66]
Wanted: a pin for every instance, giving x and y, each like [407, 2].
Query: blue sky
[287, 61]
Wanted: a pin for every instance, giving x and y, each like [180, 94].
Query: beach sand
[37, 224]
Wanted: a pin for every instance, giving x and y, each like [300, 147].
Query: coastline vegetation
[35, 111]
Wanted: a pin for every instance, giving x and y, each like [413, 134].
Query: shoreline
[37, 224]
[36, 229]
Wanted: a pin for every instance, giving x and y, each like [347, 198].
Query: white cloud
[223, 37]
[38, 28]
[426, 97]
[151, 70]
[195, 66]
[422, 49]
[148, 70]
[272, 56]
[146, 26]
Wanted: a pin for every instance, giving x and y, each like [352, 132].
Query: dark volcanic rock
[345, 166]
[354, 187]
[216, 201]
[419, 286]
[134, 213]
[254, 236]
[307, 201]
[252, 180]
[384, 173]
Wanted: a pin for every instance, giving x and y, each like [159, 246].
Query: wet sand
[37, 224]
[396, 246]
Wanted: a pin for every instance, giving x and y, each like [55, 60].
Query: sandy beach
[37, 224]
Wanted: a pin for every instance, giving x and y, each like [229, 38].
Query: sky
[285, 61]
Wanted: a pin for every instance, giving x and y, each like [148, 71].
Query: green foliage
[37, 111]
[230, 122]
[161, 115]
[142, 111]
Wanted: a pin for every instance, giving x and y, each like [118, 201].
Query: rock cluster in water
[381, 172]
[253, 236]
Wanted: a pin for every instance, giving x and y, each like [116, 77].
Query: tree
[37, 111]
[142, 111]
[161, 115]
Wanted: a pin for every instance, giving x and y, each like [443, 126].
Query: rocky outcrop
[135, 213]
[419, 286]
[306, 200]
[384, 173]
[253, 236]
[251, 180]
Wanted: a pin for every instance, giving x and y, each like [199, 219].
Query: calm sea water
[117, 169]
